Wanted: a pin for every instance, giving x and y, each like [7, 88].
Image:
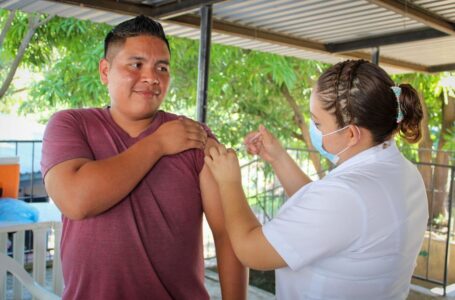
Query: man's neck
[134, 127]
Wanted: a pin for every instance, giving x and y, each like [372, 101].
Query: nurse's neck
[364, 143]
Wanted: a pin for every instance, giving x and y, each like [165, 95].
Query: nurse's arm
[245, 231]
[233, 275]
[267, 146]
[291, 177]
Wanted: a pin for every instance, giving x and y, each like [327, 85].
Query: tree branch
[33, 24]
[6, 27]
[300, 121]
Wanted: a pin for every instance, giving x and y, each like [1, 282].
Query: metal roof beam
[383, 40]
[162, 11]
[265, 36]
[251, 33]
[407, 9]
[441, 68]
[388, 61]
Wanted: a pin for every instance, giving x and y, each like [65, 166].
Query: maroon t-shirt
[149, 245]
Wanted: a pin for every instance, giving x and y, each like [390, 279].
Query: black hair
[140, 25]
[358, 92]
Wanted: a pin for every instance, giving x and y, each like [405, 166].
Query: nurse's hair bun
[358, 92]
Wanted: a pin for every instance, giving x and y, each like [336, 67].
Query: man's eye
[136, 65]
[163, 69]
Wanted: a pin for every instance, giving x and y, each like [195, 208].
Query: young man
[131, 183]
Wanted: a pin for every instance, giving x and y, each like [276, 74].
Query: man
[131, 183]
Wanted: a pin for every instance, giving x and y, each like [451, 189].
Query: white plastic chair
[7, 264]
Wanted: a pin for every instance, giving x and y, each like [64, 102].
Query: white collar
[380, 151]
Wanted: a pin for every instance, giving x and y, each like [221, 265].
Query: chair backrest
[7, 264]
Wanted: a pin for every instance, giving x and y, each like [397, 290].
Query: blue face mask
[316, 139]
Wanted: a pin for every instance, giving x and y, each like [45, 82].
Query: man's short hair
[141, 25]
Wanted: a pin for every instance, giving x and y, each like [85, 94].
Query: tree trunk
[441, 184]
[6, 27]
[33, 24]
[425, 152]
[300, 121]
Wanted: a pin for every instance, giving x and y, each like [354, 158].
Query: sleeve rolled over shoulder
[200, 154]
[64, 139]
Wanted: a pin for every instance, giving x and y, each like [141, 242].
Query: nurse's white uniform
[356, 233]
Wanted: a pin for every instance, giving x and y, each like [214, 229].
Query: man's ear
[103, 68]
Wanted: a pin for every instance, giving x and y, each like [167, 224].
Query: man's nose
[149, 75]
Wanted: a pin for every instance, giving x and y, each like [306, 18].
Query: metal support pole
[375, 56]
[449, 227]
[204, 60]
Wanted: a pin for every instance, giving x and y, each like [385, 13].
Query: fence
[437, 256]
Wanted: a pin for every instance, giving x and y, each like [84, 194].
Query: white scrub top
[356, 233]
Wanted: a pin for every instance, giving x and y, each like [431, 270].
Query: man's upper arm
[59, 181]
[64, 139]
[65, 150]
[211, 201]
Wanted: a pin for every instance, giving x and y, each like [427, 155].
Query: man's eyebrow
[163, 61]
[140, 58]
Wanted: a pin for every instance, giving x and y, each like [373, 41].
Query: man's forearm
[233, 275]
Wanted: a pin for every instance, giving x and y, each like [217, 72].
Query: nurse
[356, 233]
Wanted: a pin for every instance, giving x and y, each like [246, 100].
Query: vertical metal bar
[204, 61]
[449, 204]
[432, 189]
[375, 56]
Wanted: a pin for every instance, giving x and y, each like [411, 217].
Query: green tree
[65, 50]
[19, 44]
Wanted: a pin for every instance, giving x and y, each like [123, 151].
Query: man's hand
[223, 164]
[179, 135]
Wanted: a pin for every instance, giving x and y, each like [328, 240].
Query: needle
[253, 139]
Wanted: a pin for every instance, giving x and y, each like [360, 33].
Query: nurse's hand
[264, 144]
[223, 164]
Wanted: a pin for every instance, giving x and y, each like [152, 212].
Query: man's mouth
[149, 93]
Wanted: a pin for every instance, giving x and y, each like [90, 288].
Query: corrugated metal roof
[311, 25]
[322, 21]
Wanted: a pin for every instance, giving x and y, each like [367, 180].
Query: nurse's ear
[355, 135]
